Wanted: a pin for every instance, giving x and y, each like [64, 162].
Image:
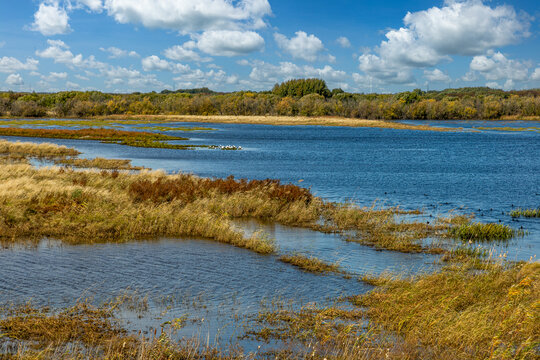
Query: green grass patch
[529, 213]
[478, 232]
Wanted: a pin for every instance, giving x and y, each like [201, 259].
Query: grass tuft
[478, 232]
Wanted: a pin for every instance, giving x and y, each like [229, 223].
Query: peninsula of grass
[310, 264]
[527, 213]
[129, 138]
[86, 206]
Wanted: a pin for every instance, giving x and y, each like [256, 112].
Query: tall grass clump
[529, 213]
[484, 232]
[309, 264]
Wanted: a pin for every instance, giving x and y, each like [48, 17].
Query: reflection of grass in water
[508, 128]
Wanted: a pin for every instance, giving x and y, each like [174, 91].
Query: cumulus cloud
[301, 46]
[190, 15]
[154, 63]
[230, 42]
[467, 27]
[343, 42]
[51, 19]
[184, 53]
[72, 86]
[60, 53]
[385, 70]
[116, 53]
[495, 66]
[14, 80]
[133, 78]
[436, 75]
[11, 64]
[429, 37]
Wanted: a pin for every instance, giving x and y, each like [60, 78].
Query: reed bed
[528, 213]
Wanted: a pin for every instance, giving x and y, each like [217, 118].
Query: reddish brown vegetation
[188, 188]
[86, 134]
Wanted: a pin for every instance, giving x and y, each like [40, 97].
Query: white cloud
[460, 27]
[116, 53]
[2, 43]
[536, 74]
[495, 66]
[343, 42]
[11, 64]
[190, 15]
[301, 46]
[436, 75]
[72, 85]
[60, 53]
[385, 70]
[80, 77]
[264, 74]
[467, 27]
[122, 76]
[51, 19]
[55, 76]
[215, 79]
[154, 63]
[94, 5]
[184, 53]
[14, 80]
[230, 42]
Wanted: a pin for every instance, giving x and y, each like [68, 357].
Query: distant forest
[305, 97]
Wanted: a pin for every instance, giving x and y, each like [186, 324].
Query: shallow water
[485, 172]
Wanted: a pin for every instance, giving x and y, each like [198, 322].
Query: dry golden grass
[463, 313]
[278, 120]
[43, 150]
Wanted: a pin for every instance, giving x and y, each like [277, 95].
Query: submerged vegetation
[309, 97]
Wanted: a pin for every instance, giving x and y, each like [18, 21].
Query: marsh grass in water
[528, 213]
[310, 264]
[478, 232]
[121, 137]
[99, 163]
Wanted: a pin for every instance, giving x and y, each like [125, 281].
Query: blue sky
[226, 45]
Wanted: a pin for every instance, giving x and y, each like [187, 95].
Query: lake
[485, 172]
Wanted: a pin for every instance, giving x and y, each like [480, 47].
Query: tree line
[304, 97]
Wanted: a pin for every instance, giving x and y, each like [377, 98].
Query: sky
[229, 45]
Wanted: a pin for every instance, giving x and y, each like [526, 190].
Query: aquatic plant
[484, 232]
[530, 213]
